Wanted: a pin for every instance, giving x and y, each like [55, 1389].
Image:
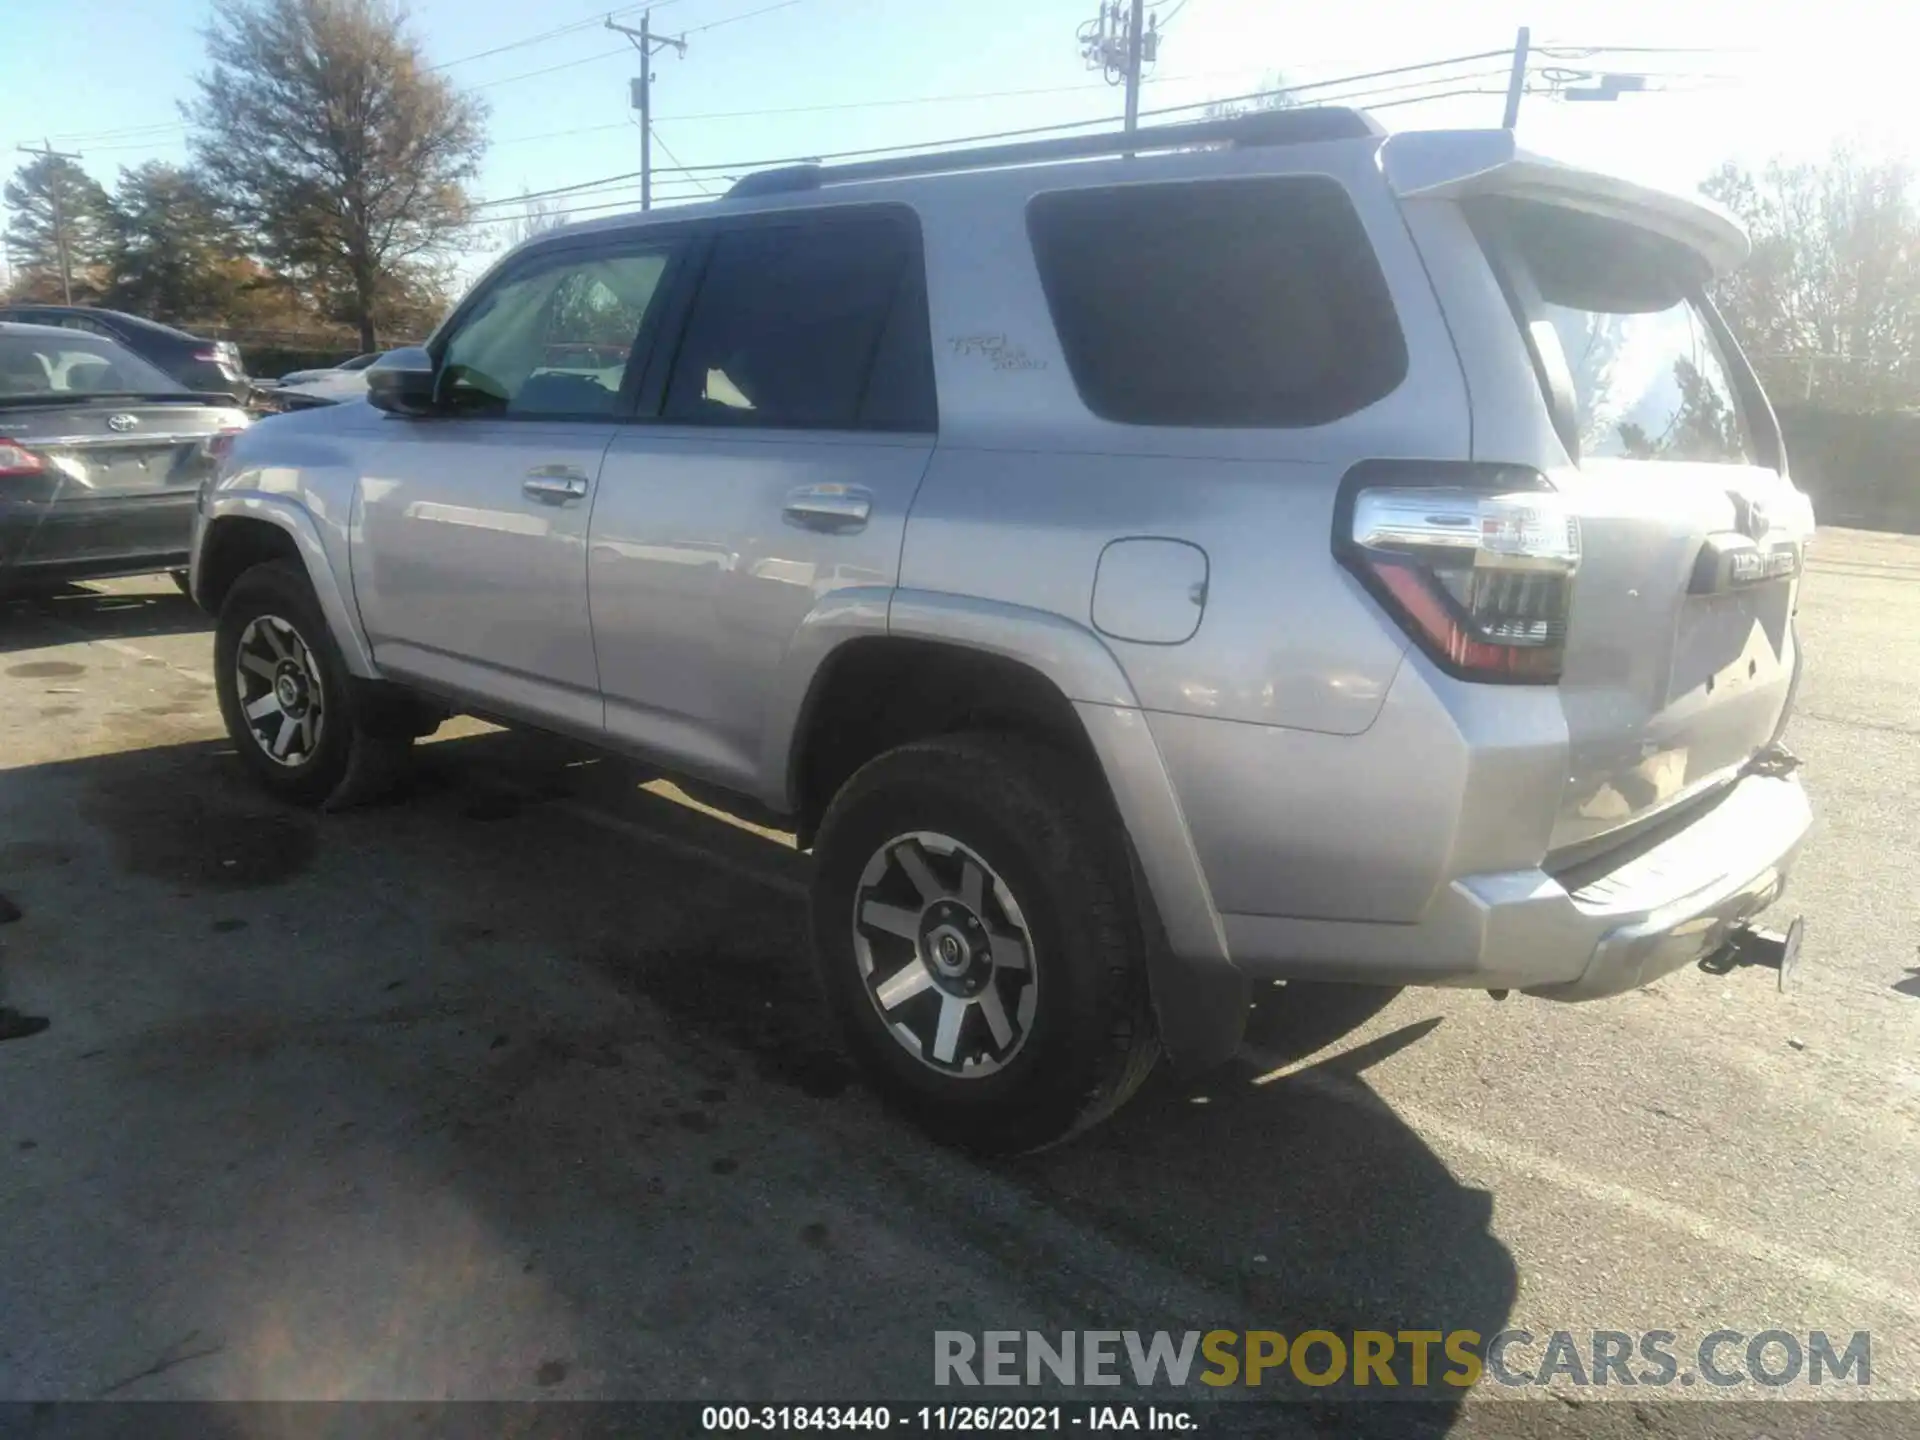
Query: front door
[796, 424]
[469, 562]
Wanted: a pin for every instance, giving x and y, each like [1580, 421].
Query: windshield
[74, 365]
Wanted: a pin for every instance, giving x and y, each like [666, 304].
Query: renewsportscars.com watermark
[1382, 1360]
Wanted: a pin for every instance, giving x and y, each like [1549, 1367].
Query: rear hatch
[1680, 654]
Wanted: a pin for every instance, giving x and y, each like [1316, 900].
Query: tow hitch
[1777, 950]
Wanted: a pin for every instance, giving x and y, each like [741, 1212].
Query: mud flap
[1199, 1006]
[385, 721]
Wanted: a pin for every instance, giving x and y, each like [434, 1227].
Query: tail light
[16, 459]
[1478, 571]
[221, 352]
[220, 444]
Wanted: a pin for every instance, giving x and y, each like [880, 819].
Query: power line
[908, 100]
[608, 54]
[580, 188]
[733, 19]
[1561, 51]
[956, 98]
[1443, 95]
[602, 206]
[661, 142]
[685, 175]
[78, 137]
[1366, 97]
[551, 69]
[525, 41]
[553, 34]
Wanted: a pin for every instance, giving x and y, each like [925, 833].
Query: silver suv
[1277, 550]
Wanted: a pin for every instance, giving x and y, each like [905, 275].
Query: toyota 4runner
[1135, 567]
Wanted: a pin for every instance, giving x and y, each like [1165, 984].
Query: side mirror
[401, 382]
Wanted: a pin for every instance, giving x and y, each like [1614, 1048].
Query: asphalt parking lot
[519, 1089]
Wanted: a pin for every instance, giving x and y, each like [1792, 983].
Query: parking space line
[134, 652]
[122, 647]
[580, 810]
[1519, 1159]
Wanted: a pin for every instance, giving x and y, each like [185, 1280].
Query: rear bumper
[1680, 901]
[94, 537]
[1663, 907]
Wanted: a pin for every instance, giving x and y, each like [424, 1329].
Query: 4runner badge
[1000, 352]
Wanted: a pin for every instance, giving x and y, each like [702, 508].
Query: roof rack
[1267, 127]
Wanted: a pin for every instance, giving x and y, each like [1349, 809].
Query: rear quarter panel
[1027, 487]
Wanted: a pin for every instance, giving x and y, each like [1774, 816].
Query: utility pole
[47, 152]
[1122, 48]
[649, 45]
[1517, 82]
[1136, 45]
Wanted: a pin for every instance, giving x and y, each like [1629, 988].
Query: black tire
[1045, 829]
[343, 756]
[182, 581]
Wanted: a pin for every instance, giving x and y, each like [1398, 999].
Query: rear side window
[1647, 377]
[815, 324]
[1218, 303]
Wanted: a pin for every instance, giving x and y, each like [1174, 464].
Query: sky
[763, 80]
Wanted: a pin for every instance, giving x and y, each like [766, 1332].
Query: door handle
[555, 484]
[828, 507]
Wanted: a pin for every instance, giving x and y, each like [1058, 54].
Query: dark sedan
[101, 458]
[209, 366]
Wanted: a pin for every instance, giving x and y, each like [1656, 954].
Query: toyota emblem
[122, 423]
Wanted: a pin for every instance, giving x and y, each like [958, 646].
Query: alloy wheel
[281, 695]
[945, 953]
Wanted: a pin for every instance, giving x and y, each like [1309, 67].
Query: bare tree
[535, 218]
[1829, 301]
[1273, 95]
[343, 158]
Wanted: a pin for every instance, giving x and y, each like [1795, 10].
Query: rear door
[791, 433]
[1680, 652]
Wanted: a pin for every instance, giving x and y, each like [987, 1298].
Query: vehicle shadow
[520, 1087]
[61, 614]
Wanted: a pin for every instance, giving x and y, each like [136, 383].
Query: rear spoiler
[1455, 164]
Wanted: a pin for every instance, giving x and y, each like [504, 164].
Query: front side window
[1246, 303]
[556, 340]
[816, 324]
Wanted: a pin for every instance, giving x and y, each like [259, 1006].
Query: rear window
[75, 364]
[1218, 303]
[1648, 378]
